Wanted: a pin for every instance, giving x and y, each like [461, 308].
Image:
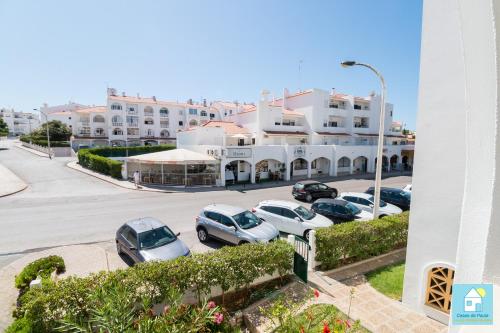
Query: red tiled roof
[228, 126]
[285, 133]
[288, 112]
[149, 100]
[90, 110]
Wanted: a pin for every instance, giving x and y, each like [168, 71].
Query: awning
[285, 133]
[174, 156]
[329, 133]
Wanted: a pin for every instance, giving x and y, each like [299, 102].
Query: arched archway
[193, 122]
[164, 134]
[298, 167]
[269, 169]
[394, 162]
[360, 164]
[385, 163]
[98, 119]
[238, 171]
[344, 165]
[320, 166]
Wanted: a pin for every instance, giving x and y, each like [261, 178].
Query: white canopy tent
[177, 166]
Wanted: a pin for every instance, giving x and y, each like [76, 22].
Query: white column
[222, 170]
[350, 166]
[309, 171]
[332, 168]
[252, 173]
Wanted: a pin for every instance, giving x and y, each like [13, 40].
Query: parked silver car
[233, 225]
[147, 239]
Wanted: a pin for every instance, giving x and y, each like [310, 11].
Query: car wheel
[309, 197]
[334, 194]
[381, 216]
[306, 235]
[202, 235]
[243, 242]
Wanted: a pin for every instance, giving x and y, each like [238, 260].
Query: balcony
[149, 113]
[133, 125]
[359, 125]
[117, 124]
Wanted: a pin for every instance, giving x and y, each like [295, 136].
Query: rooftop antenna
[300, 78]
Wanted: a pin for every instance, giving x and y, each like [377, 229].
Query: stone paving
[377, 312]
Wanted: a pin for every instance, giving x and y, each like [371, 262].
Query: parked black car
[309, 190]
[340, 211]
[394, 196]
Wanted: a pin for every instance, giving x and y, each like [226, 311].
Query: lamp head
[348, 63]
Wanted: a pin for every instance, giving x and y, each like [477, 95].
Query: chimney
[204, 102]
[111, 92]
[333, 91]
[154, 98]
[123, 94]
[264, 95]
[190, 101]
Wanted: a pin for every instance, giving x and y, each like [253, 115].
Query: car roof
[144, 223]
[225, 209]
[332, 201]
[306, 182]
[282, 203]
[356, 194]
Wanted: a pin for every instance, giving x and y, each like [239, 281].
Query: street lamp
[378, 166]
[47, 127]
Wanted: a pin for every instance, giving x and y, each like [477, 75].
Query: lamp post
[47, 127]
[378, 166]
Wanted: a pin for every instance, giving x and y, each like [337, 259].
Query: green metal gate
[300, 258]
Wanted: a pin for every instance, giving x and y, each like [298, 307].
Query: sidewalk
[33, 151]
[377, 312]
[80, 260]
[10, 183]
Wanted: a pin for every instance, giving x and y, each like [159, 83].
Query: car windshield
[305, 213]
[247, 220]
[382, 202]
[352, 209]
[155, 238]
[407, 195]
[298, 186]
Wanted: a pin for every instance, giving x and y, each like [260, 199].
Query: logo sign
[472, 304]
[299, 151]
[239, 152]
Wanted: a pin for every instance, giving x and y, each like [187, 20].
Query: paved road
[62, 206]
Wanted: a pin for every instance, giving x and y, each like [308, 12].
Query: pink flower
[326, 329]
[316, 293]
[218, 318]
[348, 324]
[211, 305]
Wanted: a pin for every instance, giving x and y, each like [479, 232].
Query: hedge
[43, 142]
[355, 241]
[152, 283]
[96, 159]
[42, 267]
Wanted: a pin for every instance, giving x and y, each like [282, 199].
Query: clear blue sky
[53, 51]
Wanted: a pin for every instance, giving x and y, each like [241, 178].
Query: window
[155, 238]
[288, 122]
[164, 134]
[300, 164]
[272, 210]
[344, 162]
[193, 112]
[203, 113]
[226, 221]
[357, 107]
[98, 119]
[148, 110]
[322, 187]
[163, 112]
[150, 133]
[99, 131]
[149, 121]
[288, 213]
[247, 220]
[213, 216]
[132, 121]
[164, 123]
[130, 236]
[116, 106]
[181, 123]
[212, 115]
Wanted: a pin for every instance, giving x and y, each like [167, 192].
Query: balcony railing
[361, 126]
[134, 125]
[117, 123]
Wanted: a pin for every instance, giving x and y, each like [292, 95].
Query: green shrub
[354, 241]
[43, 142]
[42, 267]
[21, 325]
[77, 299]
[96, 159]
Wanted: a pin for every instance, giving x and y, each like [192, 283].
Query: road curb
[21, 184]
[34, 152]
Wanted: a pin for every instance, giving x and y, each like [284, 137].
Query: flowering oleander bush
[123, 297]
[355, 241]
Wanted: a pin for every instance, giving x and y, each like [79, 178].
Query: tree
[57, 131]
[4, 129]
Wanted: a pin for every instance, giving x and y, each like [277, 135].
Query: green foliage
[4, 129]
[20, 325]
[43, 142]
[42, 267]
[354, 241]
[115, 296]
[388, 280]
[58, 131]
[96, 159]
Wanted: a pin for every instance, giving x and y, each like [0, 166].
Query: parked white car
[364, 201]
[290, 217]
[407, 188]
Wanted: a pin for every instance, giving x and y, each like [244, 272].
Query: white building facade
[454, 233]
[306, 134]
[19, 123]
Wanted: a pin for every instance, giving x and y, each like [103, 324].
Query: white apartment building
[132, 121]
[62, 113]
[20, 123]
[309, 133]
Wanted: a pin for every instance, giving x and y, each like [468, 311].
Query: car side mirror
[298, 219]
[178, 234]
[232, 228]
[371, 206]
